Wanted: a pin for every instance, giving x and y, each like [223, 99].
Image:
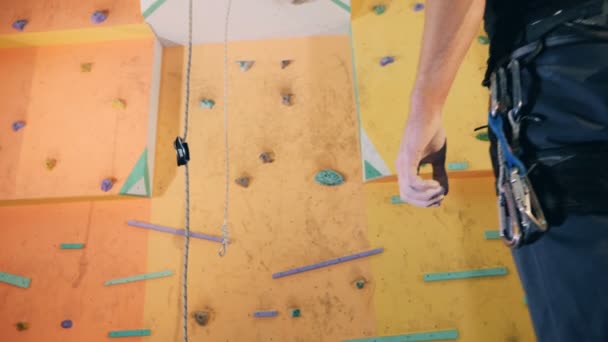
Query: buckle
[182, 150]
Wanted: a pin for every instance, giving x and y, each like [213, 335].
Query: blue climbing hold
[19, 25]
[99, 17]
[67, 324]
[207, 104]
[329, 178]
[245, 65]
[387, 60]
[107, 184]
[418, 7]
[18, 125]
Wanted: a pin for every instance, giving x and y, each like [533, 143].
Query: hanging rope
[183, 156]
[225, 232]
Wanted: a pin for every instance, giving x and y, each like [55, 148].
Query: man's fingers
[424, 195]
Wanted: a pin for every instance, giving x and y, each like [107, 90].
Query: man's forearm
[450, 27]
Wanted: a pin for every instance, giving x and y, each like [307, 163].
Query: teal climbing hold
[488, 272]
[442, 335]
[397, 200]
[483, 136]
[245, 65]
[295, 313]
[458, 166]
[360, 284]
[130, 333]
[483, 40]
[15, 280]
[329, 178]
[71, 246]
[379, 9]
[207, 104]
[139, 277]
[492, 234]
[526, 300]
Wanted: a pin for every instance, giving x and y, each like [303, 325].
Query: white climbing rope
[225, 232]
[224, 228]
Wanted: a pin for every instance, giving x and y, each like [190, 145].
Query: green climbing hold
[207, 104]
[483, 136]
[379, 9]
[329, 178]
[295, 313]
[360, 284]
[483, 40]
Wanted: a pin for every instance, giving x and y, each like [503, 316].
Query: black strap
[537, 29]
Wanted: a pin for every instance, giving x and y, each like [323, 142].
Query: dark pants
[565, 273]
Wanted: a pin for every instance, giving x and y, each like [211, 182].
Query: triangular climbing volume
[138, 182]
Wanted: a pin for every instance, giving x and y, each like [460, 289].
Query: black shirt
[505, 22]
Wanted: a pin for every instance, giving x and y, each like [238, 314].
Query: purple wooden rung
[387, 60]
[18, 125]
[418, 7]
[261, 314]
[163, 229]
[107, 184]
[19, 25]
[99, 17]
[327, 263]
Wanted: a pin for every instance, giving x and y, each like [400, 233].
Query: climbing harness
[521, 217]
[183, 157]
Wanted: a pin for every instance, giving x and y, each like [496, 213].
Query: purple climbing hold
[418, 7]
[107, 184]
[387, 60]
[67, 324]
[18, 125]
[19, 25]
[99, 17]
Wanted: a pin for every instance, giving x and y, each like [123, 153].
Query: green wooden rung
[139, 277]
[397, 200]
[427, 336]
[71, 246]
[487, 272]
[15, 280]
[130, 333]
[492, 234]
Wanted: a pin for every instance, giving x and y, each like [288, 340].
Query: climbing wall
[386, 38]
[78, 119]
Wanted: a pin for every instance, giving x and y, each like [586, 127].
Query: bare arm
[450, 27]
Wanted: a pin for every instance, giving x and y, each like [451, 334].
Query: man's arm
[449, 29]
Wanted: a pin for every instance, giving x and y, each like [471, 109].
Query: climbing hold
[207, 104]
[397, 200]
[243, 181]
[262, 314]
[51, 163]
[327, 263]
[71, 246]
[419, 337]
[492, 234]
[295, 313]
[245, 65]
[487, 272]
[285, 63]
[483, 40]
[130, 333]
[107, 184]
[66, 324]
[267, 157]
[360, 283]
[99, 17]
[201, 317]
[21, 326]
[139, 277]
[329, 178]
[119, 104]
[15, 280]
[418, 7]
[461, 166]
[286, 98]
[379, 9]
[18, 125]
[384, 61]
[20, 24]
[483, 136]
[86, 67]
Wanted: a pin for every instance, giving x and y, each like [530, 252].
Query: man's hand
[449, 29]
[423, 141]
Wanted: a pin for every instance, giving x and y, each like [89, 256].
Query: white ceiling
[249, 20]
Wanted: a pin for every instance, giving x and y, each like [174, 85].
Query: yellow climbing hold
[51, 163]
[119, 104]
